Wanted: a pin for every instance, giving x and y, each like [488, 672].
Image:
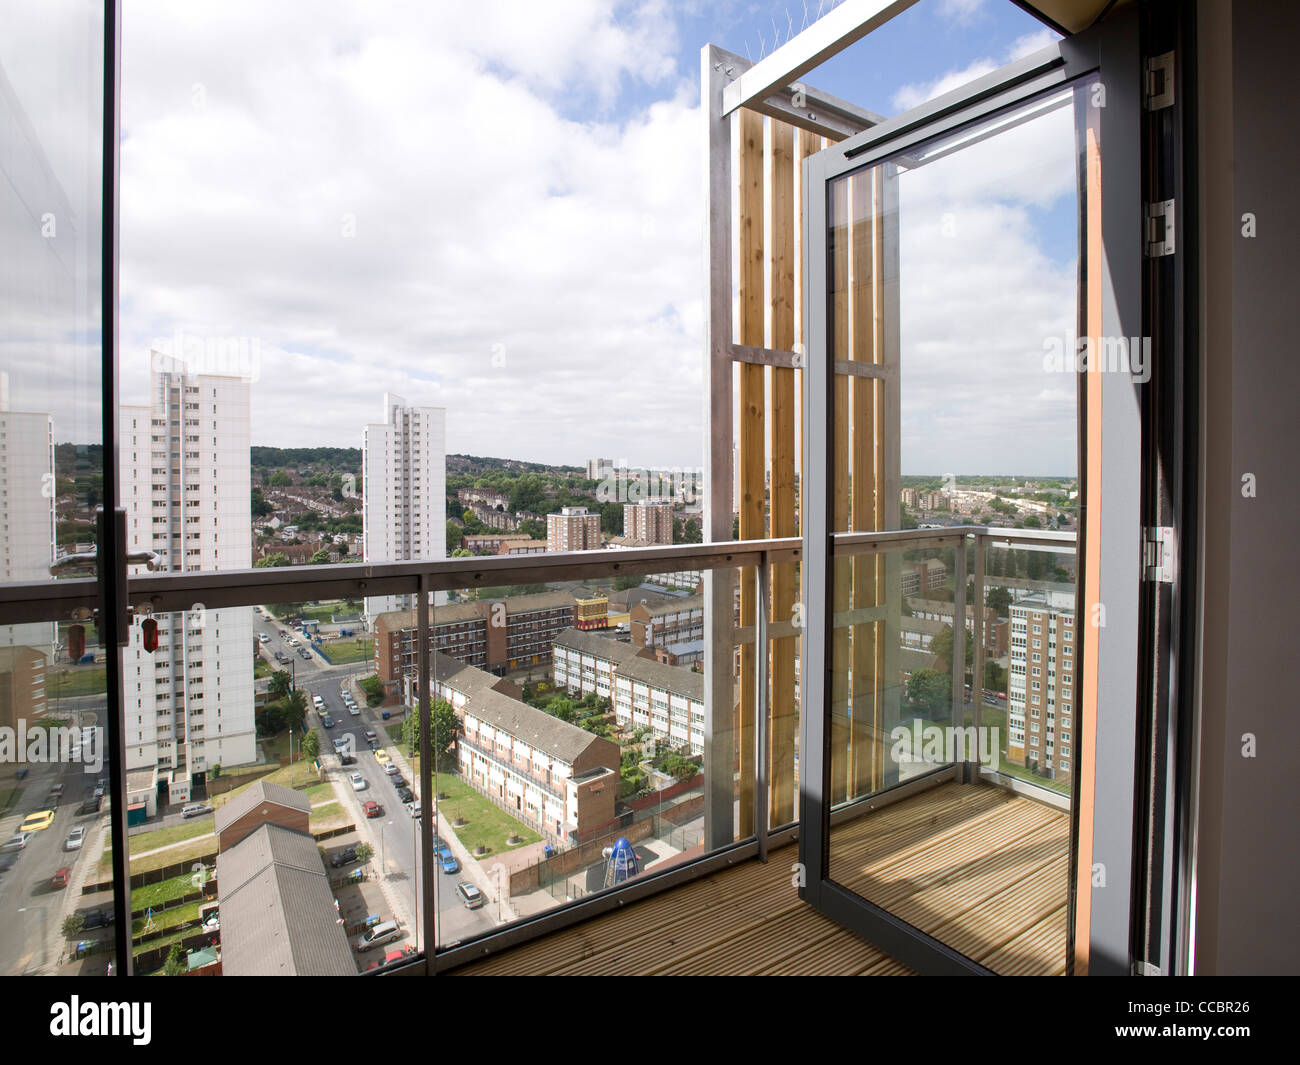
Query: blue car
[447, 860]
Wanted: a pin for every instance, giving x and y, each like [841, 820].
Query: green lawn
[163, 892]
[342, 652]
[9, 798]
[261, 668]
[162, 837]
[79, 680]
[487, 824]
[330, 815]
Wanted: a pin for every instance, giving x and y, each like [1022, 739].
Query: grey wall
[1248, 817]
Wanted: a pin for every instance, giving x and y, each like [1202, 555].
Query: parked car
[195, 809]
[75, 839]
[469, 895]
[389, 767]
[344, 857]
[384, 932]
[413, 808]
[327, 721]
[406, 795]
[303, 653]
[318, 702]
[372, 808]
[347, 759]
[61, 877]
[7, 860]
[56, 791]
[447, 860]
[359, 782]
[340, 742]
[89, 806]
[99, 918]
[381, 756]
[17, 842]
[354, 710]
[399, 781]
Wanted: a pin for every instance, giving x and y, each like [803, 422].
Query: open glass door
[972, 338]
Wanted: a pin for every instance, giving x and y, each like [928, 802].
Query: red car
[372, 808]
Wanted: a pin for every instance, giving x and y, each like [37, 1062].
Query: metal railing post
[958, 663]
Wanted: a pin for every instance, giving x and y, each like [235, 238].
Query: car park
[75, 839]
[469, 895]
[344, 857]
[359, 782]
[373, 809]
[37, 822]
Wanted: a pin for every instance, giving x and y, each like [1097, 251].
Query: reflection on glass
[572, 751]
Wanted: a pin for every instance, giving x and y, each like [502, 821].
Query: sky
[496, 208]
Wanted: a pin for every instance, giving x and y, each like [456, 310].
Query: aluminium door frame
[1105, 921]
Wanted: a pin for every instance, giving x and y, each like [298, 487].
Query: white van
[384, 932]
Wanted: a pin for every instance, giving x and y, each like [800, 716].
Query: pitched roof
[676, 679]
[462, 677]
[592, 643]
[258, 794]
[277, 908]
[556, 738]
[676, 605]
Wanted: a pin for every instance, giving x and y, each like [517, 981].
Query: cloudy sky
[496, 207]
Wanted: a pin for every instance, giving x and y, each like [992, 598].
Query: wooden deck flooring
[979, 868]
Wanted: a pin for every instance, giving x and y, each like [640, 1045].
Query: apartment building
[668, 622]
[404, 489]
[27, 510]
[557, 777]
[923, 576]
[599, 469]
[22, 685]
[1040, 696]
[186, 488]
[496, 635]
[573, 529]
[667, 699]
[995, 631]
[648, 521]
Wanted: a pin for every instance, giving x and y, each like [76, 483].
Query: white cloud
[911, 95]
[487, 218]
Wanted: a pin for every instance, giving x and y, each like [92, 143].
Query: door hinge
[1158, 239]
[1146, 968]
[1158, 554]
[1159, 90]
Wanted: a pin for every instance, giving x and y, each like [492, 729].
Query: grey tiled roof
[277, 909]
[556, 738]
[592, 643]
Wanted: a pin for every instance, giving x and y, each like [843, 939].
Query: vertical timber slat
[841, 575]
[782, 714]
[752, 457]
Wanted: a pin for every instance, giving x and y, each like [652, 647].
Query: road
[394, 834]
[31, 910]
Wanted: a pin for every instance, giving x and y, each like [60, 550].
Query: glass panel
[954, 275]
[250, 750]
[573, 748]
[52, 673]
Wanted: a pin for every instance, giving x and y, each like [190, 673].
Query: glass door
[974, 342]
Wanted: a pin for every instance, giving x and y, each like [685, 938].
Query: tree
[995, 677]
[930, 691]
[998, 600]
[454, 533]
[261, 507]
[445, 727]
[271, 561]
[364, 852]
[73, 925]
[280, 682]
[280, 480]
[295, 705]
[941, 645]
[311, 745]
[320, 558]
[175, 964]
